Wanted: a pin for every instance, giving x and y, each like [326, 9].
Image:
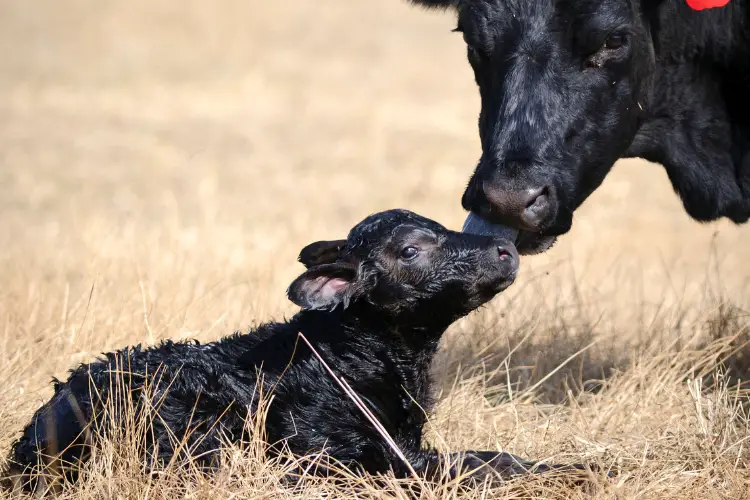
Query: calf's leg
[480, 465]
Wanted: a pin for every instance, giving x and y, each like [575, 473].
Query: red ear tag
[706, 4]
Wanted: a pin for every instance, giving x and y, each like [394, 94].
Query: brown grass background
[163, 162]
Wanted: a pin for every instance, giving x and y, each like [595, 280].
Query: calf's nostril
[504, 254]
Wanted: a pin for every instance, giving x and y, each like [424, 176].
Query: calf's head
[563, 84]
[405, 267]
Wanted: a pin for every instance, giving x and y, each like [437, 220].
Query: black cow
[374, 307]
[570, 86]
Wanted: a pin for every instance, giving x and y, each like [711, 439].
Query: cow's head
[564, 85]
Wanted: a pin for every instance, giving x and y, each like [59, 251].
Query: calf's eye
[409, 253]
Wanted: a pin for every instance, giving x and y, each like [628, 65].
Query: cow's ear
[324, 287]
[321, 252]
[437, 4]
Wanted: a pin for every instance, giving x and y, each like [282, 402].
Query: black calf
[374, 308]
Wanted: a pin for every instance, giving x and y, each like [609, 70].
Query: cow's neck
[696, 124]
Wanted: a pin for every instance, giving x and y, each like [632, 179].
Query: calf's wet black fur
[374, 306]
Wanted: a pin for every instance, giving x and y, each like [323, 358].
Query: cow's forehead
[510, 8]
[530, 26]
[520, 12]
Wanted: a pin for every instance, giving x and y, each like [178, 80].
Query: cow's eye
[615, 41]
[614, 47]
[409, 253]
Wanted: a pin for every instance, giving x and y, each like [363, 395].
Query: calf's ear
[321, 252]
[324, 287]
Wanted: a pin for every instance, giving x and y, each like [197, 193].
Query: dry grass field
[163, 162]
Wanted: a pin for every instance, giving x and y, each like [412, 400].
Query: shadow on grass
[566, 350]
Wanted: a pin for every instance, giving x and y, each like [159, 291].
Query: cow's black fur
[374, 307]
[570, 86]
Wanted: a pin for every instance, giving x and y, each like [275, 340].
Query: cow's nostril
[537, 207]
[537, 197]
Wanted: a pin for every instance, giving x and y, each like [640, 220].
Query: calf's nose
[508, 255]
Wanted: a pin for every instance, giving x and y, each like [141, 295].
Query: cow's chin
[533, 243]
